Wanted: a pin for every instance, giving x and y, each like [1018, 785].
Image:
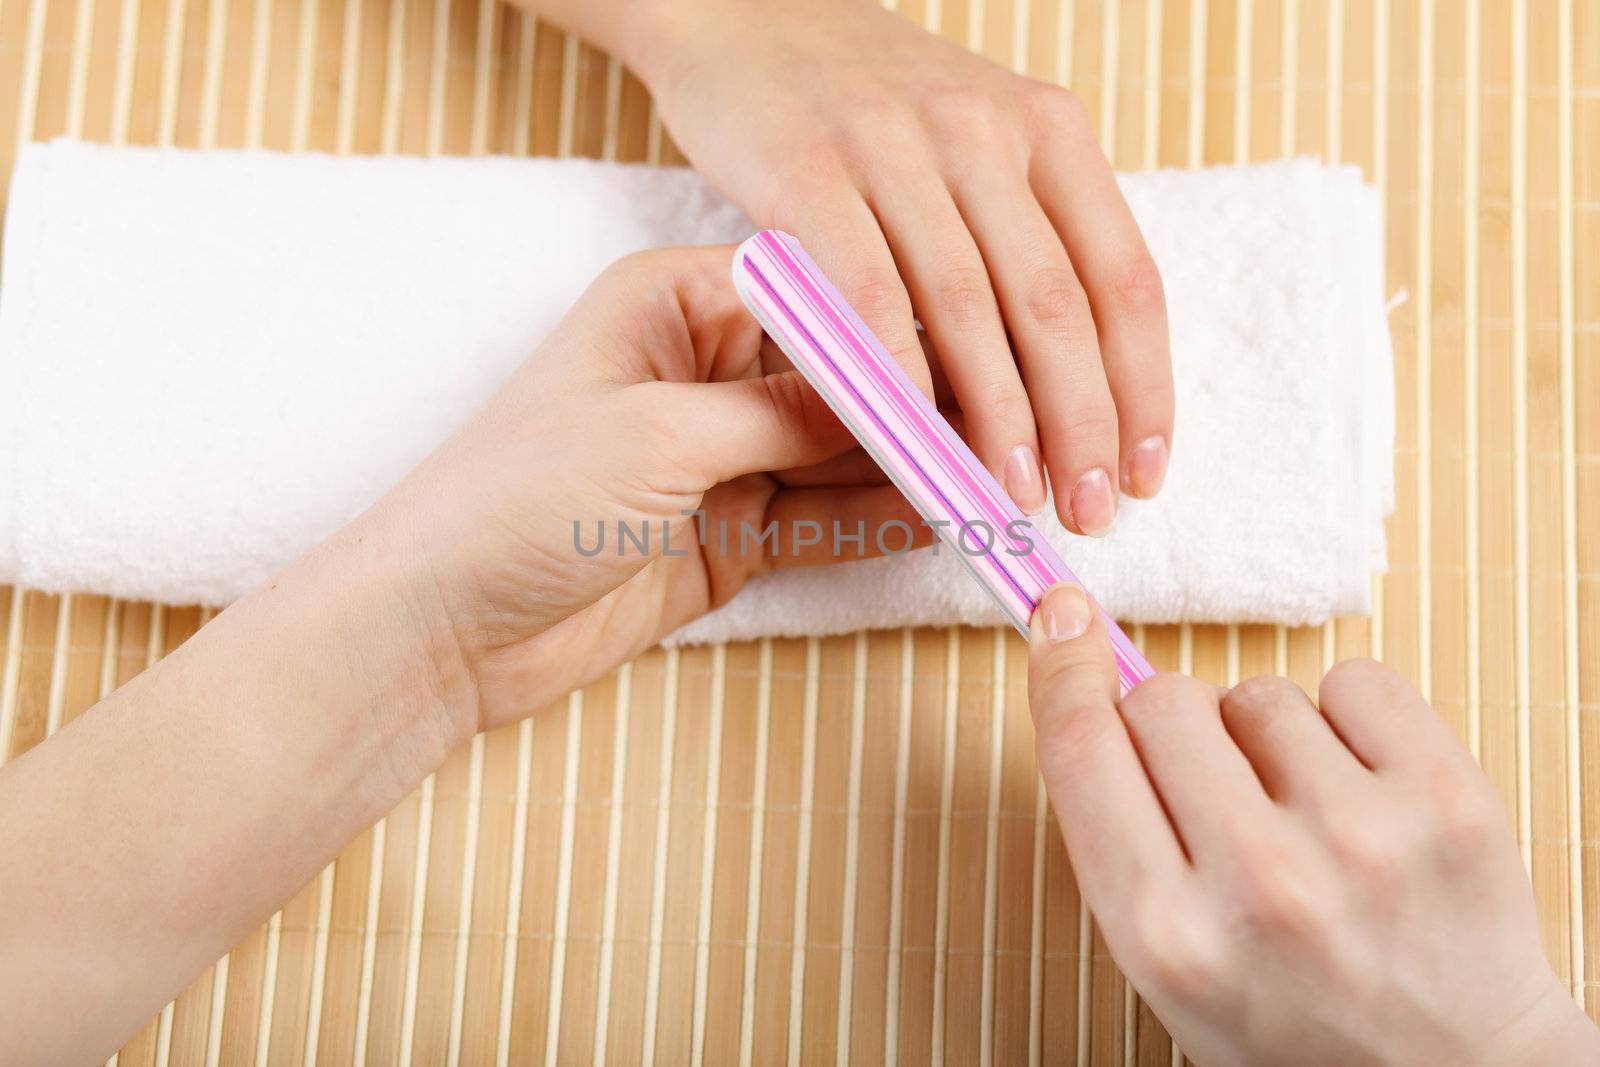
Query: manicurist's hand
[172, 818]
[1295, 882]
[930, 183]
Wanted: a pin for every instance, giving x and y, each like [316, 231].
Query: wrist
[1553, 1029]
[639, 33]
[383, 628]
[657, 38]
[663, 41]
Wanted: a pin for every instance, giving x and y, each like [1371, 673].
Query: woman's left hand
[649, 403]
[171, 818]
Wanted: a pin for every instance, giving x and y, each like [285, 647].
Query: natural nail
[1025, 479]
[1064, 612]
[1147, 467]
[1093, 503]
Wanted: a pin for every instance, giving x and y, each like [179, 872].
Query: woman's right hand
[1288, 881]
[934, 185]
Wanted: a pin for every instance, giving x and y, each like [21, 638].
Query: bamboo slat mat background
[838, 848]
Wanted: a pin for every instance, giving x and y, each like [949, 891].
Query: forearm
[652, 37]
[623, 28]
[169, 820]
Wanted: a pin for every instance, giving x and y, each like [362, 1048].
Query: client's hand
[649, 402]
[929, 181]
[167, 821]
[1286, 881]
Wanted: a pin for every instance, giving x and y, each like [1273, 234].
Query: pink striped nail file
[808, 318]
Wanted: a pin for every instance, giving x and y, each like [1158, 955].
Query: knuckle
[1261, 693]
[1264, 687]
[1466, 815]
[1093, 434]
[1056, 110]
[1165, 696]
[786, 395]
[1256, 707]
[635, 267]
[996, 392]
[633, 262]
[1087, 419]
[1137, 285]
[796, 406]
[1353, 675]
[1147, 399]
[963, 297]
[876, 294]
[1056, 300]
[1070, 725]
[910, 357]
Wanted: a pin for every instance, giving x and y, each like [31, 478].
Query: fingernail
[1094, 505]
[1064, 613]
[1025, 479]
[1147, 467]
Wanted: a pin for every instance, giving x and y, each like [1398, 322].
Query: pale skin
[1289, 881]
[931, 185]
[1328, 882]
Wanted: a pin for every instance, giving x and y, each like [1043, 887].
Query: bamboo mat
[838, 848]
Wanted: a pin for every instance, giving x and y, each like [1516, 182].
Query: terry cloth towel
[209, 361]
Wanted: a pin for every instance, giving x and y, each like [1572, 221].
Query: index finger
[1117, 835]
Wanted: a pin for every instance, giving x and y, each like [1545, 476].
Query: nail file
[897, 424]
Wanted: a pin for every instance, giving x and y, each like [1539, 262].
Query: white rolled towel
[210, 360]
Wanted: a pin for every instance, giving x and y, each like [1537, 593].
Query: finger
[855, 467]
[1078, 190]
[951, 292]
[750, 530]
[722, 430]
[832, 524]
[773, 360]
[1383, 720]
[944, 394]
[840, 232]
[1048, 315]
[1296, 755]
[1207, 785]
[1118, 837]
[684, 316]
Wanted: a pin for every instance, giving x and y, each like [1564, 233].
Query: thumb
[1117, 835]
[1072, 674]
[772, 422]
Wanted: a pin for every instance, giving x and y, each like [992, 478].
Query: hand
[649, 401]
[458, 602]
[1289, 883]
[891, 154]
